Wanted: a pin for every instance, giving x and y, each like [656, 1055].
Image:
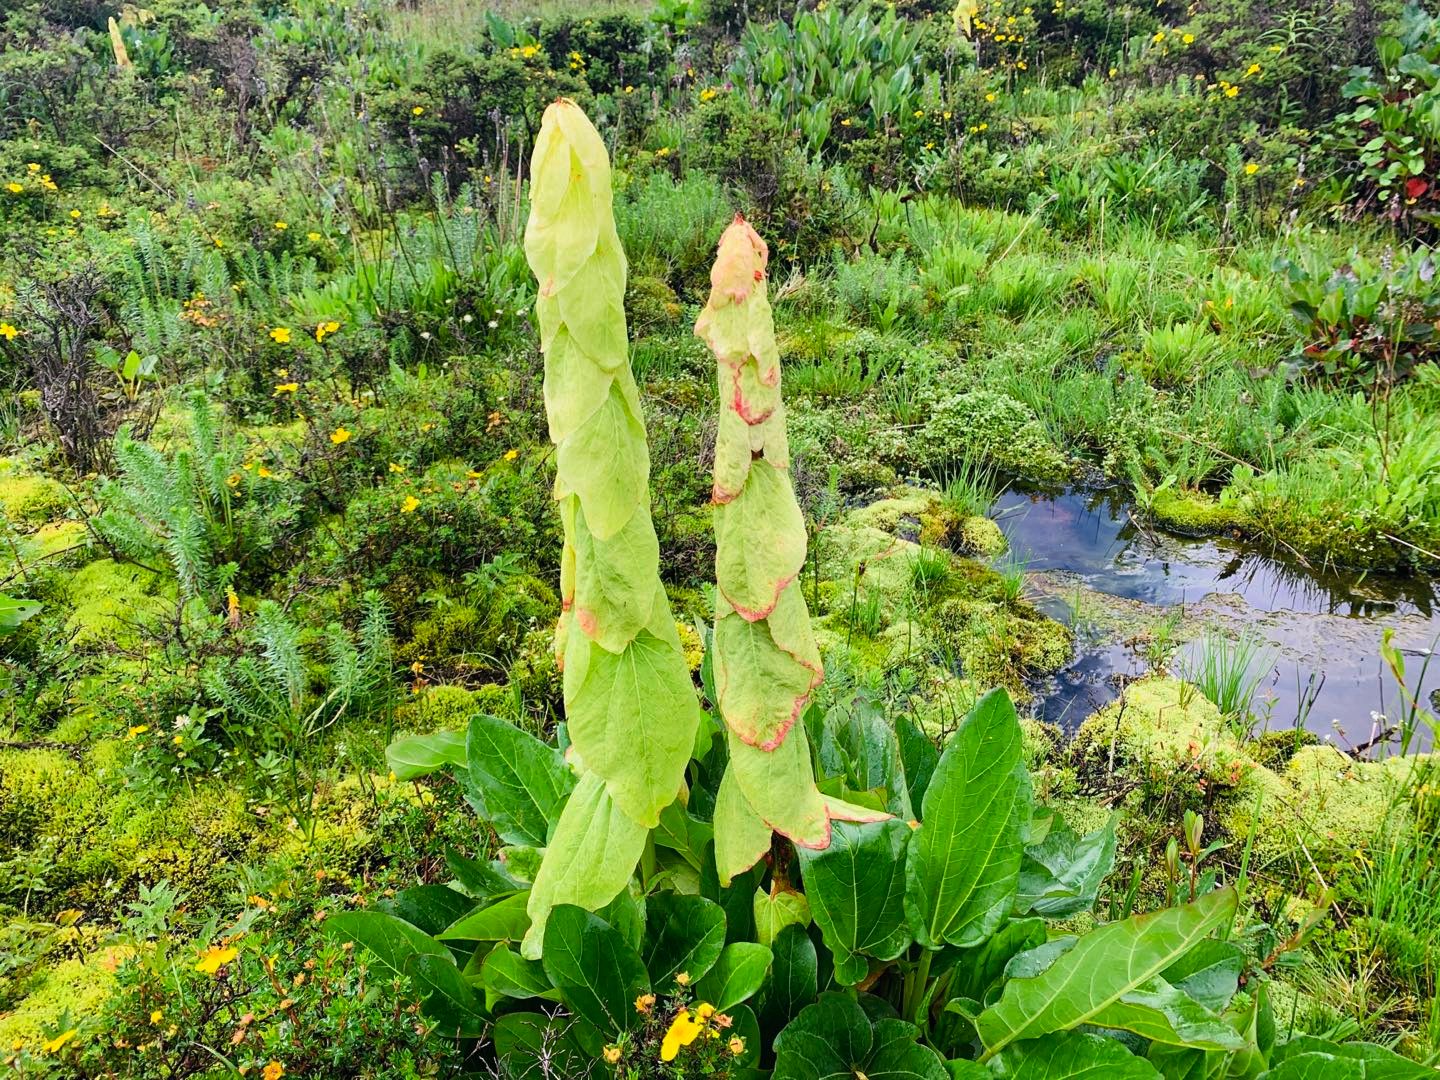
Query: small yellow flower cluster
[689, 1026]
[325, 329]
[525, 52]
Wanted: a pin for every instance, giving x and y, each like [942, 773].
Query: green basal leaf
[506, 973]
[521, 782]
[794, 979]
[1071, 1057]
[14, 612]
[741, 836]
[392, 940]
[593, 967]
[504, 920]
[430, 908]
[1097, 970]
[415, 756]
[682, 934]
[446, 997]
[1062, 874]
[856, 889]
[835, 1039]
[1306, 1058]
[737, 975]
[964, 861]
[774, 911]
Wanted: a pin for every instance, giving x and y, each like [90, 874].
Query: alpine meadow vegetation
[665, 539]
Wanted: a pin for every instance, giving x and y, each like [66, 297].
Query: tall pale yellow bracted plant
[630, 706]
[765, 656]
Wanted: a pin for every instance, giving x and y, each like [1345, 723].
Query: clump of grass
[1229, 671]
[929, 568]
[1012, 578]
[970, 488]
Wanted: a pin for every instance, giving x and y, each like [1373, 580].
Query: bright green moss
[45, 794]
[108, 597]
[437, 708]
[994, 428]
[27, 498]
[1193, 513]
[980, 536]
[70, 990]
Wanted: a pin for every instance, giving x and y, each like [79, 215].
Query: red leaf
[1416, 186]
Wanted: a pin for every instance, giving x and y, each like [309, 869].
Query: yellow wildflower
[339, 435]
[325, 329]
[1253, 69]
[644, 1002]
[14, 188]
[156, 1016]
[396, 467]
[7, 331]
[263, 473]
[138, 730]
[47, 183]
[683, 1031]
[1251, 168]
[214, 958]
[612, 1054]
[410, 505]
[273, 1071]
[1188, 39]
[75, 214]
[736, 1045]
[990, 97]
[313, 237]
[511, 455]
[418, 110]
[682, 979]
[54, 1045]
[33, 167]
[286, 388]
[281, 226]
[1232, 91]
[280, 335]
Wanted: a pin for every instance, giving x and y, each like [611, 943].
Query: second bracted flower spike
[765, 656]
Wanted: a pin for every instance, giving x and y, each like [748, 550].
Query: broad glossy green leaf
[834, 1039]
[478, 878]
[1071, 1057]
[859, 744]
[1157, 1011]
[598, 973]
[775, 911]
[504, 920]
[521, 781]
[1297, 1059]
[1062, 874]
[430, 908]
[737, 976]
[1209, 973]
[794, 979]
[978, 969]
[963, 863]
[1099, 969]
[682, 934]
[590, 858]
[446, 997]
[392, 940]
[14, 612]
[856, 889]
[918, 756]
[535, 1046]
[506, 973]
[415, 756]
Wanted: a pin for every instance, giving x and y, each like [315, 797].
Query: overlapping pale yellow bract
[630, 705]
[765, 657]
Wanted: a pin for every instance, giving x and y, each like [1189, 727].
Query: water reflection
[1321, 628]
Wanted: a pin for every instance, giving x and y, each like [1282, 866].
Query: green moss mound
[28, 499]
